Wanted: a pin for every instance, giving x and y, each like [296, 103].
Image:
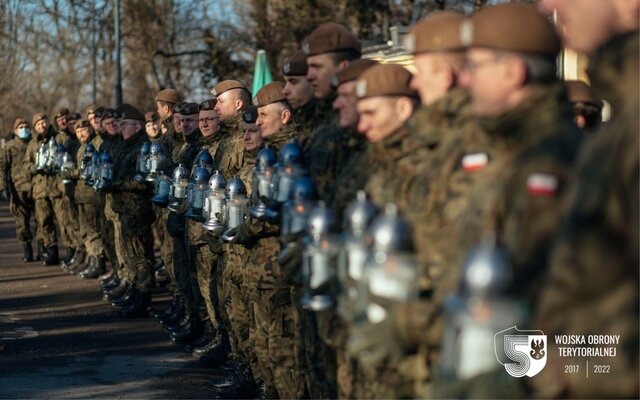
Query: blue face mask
[24, 133]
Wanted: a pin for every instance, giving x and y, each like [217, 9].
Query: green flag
[261, 72]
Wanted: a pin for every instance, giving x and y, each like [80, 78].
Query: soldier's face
[583, 24]
[130, 127]
[94, 121]
[379, 117]
[177, 123]
[489, 82]
[152, 129]
[109, 125]
[270, 119]
[82, 134]
[432, 78]
[62, 122]
[163, 110]
[189, 123]
[208, 122]
[321, 70]
[228, 104]
[72, 126]
[345, 103]
[297, 90]
[42, 126]
[252, 137]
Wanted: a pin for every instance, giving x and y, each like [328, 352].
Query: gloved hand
[290, 259]
[375, 344]
[241, 235]
[4, 195]
[215, 245]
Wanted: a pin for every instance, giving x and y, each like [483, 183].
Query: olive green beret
[62, 111]
[385, 80]
[270, 93]
[209, 104]
[296, 65]
[328, 38]
[250, 115]
[169, 95]
[127, 111]
[82, 123]
[439, 31]
[38, 117]
[352, 71]
[189, 109]
[515, 27]
[18, 122]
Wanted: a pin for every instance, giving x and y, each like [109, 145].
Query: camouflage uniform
[15, 173]
[130, 200]
[228, 158]
[592, 287]
[70, 230]
[110, 226]
[89, 214]
[272, 331]
[45, 193]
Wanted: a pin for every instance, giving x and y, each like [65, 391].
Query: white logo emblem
[361, 88]
[521, 352]
[305, 48]
[287, 68]
[466, 33]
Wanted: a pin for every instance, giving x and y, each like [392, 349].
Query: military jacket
[171, 142]
[131, 200]
[43, 186]
[13, 169]
[82, 193]
[230, 152]
[592, 286]
[305, 120]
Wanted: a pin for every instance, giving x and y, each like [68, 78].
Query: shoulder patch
[539, 184]
[475, 161]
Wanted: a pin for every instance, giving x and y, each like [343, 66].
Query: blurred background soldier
[152, 126]
[15, 184]
[592, 286]
[44, 189]
[298, 91]
[587, 109]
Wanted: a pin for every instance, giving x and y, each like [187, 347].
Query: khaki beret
[151, 116]
[91, 109]
[296, 65]
[250, 115]
[127, 111]
[328, 38]
[189, 109]
[176, 107]
[385, 80]
[228, 85]
[515, 27]
[579, 91]
[82, 123]
[169, 95]
[270, 93]
[109, 113]
[352, 71]
[207, 105]
[73, 117]
[18, 122]
[38, 117]
[99, 112]
[439, 31]
[61, 112]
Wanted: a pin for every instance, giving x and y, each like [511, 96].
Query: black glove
[4, 195]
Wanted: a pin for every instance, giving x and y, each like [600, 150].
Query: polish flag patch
[539, 184]
[475, 162]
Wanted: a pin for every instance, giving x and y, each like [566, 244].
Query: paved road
[59, 340]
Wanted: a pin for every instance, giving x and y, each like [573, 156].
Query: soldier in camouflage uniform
[130, 200]
[591, 288]
[44, 189]
[299, 92]
[15, 184]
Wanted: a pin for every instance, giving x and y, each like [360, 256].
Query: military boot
[40, 255]
[107, 277]
[69, 253]
[214, 352]
[242, 385]
[264, 392]
[175, 317]
[188, 331]
[83, 262]
[96, 268]
[208, 334]
[77, 259]
[127, 298]
[116, 292]
[28, 252]
[139, 307]
[52, 256]
[110, 284]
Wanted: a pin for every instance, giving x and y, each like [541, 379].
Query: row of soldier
[321, 242]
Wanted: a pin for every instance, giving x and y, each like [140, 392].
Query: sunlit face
[42, 126]
[252, 137]
[483, 76]
[228, 104]
[378, 117]
[83, 134]
[62, 122]
[152, 129]
[23, 125]
[130, 127]
[297, 90]
[163, 110]
[345, 103]
[427, 80]
[583, 24]
[270, 119]
[177, 123]
[189, 123]
[320, 73]
[94, 121]
[109, 125]
[208, 122]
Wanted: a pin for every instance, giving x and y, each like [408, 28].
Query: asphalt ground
[59, 340]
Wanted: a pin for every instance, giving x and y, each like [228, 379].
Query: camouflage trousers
[184, 268]
[272, 336]
[107, 233]
[137, 257]
[46, 221]
[312, 354]
[22, 208]
[90, 219]
[206, 262]
[68, 223]
[165, 245]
